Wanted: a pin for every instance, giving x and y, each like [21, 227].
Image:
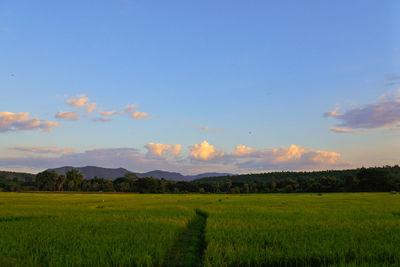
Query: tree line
[376, 179]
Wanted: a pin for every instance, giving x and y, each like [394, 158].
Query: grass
[226, 230]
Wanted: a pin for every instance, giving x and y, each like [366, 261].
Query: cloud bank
[202, 157]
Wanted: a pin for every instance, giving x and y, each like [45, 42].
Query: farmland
[64, 229]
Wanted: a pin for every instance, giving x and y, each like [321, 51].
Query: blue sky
[241, 87]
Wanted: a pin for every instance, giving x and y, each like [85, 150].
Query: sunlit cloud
[108, 113]
[161, 150]
[82, 101]
[320, 156]
[43, 150]
[176, 149]
[333, 113]
[285, 154]
[342, 130]
[203, 158]
[128, 109]
[382, 114]
[242, 151]
[68, 115]
[292, 157]
[140, 115]
[10, 121]
[204, 151]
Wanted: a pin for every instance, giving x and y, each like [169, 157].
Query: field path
[189, 246]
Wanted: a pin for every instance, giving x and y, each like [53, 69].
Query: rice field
[56, 229]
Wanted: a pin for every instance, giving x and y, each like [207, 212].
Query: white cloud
[10, 121]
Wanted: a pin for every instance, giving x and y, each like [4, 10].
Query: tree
[163, 185]
[47, 180]
[228, 185]
[373, 180]
[235, 190]
[74, 180]
[60, 182]
[246, 189]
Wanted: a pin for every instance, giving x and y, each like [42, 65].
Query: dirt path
[188, 248]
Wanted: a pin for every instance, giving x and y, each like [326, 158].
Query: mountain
[163, 174]
[90, 172]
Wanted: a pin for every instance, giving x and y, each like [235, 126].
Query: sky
[199, 86]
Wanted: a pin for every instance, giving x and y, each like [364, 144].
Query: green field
[43, 229]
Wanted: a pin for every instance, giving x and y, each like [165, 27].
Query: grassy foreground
[43, 229]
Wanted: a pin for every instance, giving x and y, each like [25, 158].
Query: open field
[46, 229]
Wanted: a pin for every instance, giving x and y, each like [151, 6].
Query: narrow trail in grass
[188, 248]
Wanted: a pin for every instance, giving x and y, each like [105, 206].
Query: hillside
[207, 174]
[263, 177]
[18, 176]
[90, 172]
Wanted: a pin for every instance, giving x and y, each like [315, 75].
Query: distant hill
[90, 172]
[175, 176]
[207, 174]
[18, 176]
